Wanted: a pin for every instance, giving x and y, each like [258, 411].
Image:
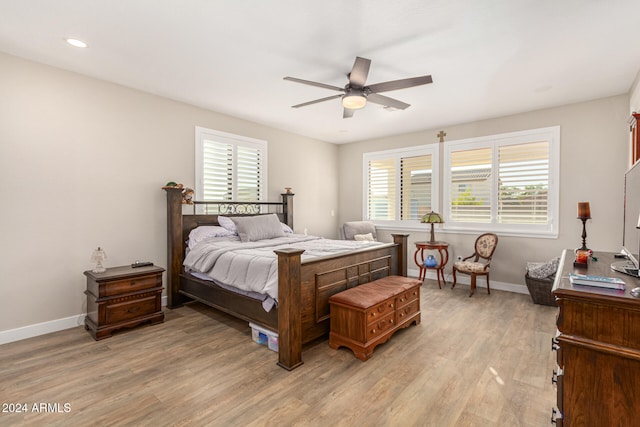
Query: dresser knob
[373, 331]
[373, 314]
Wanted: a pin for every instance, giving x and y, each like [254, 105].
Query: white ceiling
[488, 58]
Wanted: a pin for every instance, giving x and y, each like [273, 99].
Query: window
[230, 167]
[400, 185]
[506, 183]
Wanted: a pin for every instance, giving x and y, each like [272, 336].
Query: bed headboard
[180, 224]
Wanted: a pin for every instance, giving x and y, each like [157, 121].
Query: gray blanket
[253, 266]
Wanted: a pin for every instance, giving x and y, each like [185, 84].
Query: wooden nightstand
[122, 297]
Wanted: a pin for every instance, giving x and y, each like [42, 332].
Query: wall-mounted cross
[441, 135]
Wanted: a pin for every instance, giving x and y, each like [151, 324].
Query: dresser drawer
[132, 284]
[130, 309]
[383, 309]
[380, 326]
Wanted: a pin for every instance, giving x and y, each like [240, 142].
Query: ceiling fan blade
[348, 113]
[359, 72]
[399, 84]
[309, 82]
[386, 101]
[304, 104]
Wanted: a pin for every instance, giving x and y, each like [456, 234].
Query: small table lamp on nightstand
[98, 256]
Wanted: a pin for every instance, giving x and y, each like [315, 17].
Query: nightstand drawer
[126, 310]
[133, 284]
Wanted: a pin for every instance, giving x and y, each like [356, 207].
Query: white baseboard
[78, 320]
[46, 327]
[465, 280]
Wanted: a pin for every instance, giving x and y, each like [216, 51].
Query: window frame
[202, 133]
[397, 154]
[549, 230]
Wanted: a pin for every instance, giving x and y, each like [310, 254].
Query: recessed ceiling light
[76, 42]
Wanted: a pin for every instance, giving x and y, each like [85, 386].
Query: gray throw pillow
[260, 227]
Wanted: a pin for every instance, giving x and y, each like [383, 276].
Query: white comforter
[253, 266]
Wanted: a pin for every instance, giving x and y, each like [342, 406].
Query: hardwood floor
[479, 361]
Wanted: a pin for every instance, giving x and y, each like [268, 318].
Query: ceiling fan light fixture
[354, 101]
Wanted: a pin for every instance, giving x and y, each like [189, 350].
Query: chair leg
[488, 288]
[454, 278]
[473, 285]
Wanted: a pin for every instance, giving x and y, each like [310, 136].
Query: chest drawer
[380, 326]
[407, 297]
[381, 310]
[133, 284]
[407, 310]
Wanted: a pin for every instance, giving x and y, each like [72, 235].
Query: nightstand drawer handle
[133, 282]
[133, 310]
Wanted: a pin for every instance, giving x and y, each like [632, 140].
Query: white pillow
[227, 223]
[205, 231]
[363, 237]
[260, 227]
[286, 228]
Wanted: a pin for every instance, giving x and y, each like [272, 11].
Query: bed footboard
[304, 290]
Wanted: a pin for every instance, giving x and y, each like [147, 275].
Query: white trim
[51, 326]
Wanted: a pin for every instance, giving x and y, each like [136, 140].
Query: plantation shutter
[229, 167]
[249, 177]
[471, 185]
[523, 183]
[217, 171]
[382, 189]
[415, 186]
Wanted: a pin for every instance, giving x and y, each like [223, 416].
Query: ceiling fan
[355, 94]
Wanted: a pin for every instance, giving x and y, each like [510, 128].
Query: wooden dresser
[123, 297]
[598, 348]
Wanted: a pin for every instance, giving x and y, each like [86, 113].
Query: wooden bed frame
[304, 288]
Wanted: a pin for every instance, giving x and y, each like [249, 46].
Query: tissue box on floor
[264, 336]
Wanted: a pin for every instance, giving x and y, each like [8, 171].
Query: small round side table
[418, 257]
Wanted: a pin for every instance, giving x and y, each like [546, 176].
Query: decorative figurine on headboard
[187, 193]
[187, 196]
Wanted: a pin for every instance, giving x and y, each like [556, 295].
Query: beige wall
[593, 156]
[634, 95]
[81, 165]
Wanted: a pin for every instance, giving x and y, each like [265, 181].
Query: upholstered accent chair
[477, 264]
[359, 230]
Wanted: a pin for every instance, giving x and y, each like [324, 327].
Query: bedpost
[289, 303]
[287, 208]
[401, 241]
[174, 246]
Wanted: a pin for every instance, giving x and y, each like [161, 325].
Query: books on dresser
[597, 281]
